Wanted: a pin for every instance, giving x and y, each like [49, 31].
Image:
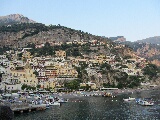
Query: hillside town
[80, 60]
[51, 72]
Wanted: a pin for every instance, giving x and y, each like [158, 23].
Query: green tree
[150, 70]
[73, 85]
[105, 66]
[36, 73]
[24, 86]
[133, 81]
[38, 86]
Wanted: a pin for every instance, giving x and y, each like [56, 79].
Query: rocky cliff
[14, 18]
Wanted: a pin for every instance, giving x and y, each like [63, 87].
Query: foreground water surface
[100, 108]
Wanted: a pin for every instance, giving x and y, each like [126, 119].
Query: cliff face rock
[125, 51]
[14, 18]
[150, 49]
[128, 52]
[146, 50]
[150, 52]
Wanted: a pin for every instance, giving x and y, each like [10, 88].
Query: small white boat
[146, 103]
[63, 100]
[129, 99]
[55, 103]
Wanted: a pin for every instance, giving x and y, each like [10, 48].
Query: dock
[25, 107]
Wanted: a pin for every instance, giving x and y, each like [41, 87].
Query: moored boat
[146, 103]
[129, 99]
[55, 103]
[61, 100]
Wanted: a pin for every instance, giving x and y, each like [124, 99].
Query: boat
[54, 103]
[146, 103]
[138, 100]
[129, 99]
[63, 100]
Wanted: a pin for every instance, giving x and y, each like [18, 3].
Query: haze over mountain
[152, 40]
[14, 18]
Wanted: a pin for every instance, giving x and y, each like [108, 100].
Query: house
[24, 76]
[60, 53]
[42, 76]
[26, 55]
[50, 71]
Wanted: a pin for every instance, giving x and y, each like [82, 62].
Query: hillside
[18, 35]
[14, 18]
[152, 40]
[21, 35]
[146, 50]
[113, 63]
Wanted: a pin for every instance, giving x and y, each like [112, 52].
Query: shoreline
[100, 93]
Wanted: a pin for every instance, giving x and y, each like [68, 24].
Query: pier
[25, 107]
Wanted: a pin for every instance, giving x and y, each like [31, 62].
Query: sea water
[100, 108]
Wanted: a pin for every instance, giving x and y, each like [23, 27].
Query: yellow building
[25, 75]
[26, 55]
[60, 53]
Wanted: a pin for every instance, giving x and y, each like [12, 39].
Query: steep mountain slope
[19, 35]
[149, 51]
[14, 18]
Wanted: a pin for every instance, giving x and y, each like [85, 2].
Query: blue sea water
[100, 108]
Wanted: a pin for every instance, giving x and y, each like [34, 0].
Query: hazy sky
[133, 19]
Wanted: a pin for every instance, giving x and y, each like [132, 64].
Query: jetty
[24, 107]
[27, 107]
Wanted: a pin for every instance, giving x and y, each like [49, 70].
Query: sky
[133, 19]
